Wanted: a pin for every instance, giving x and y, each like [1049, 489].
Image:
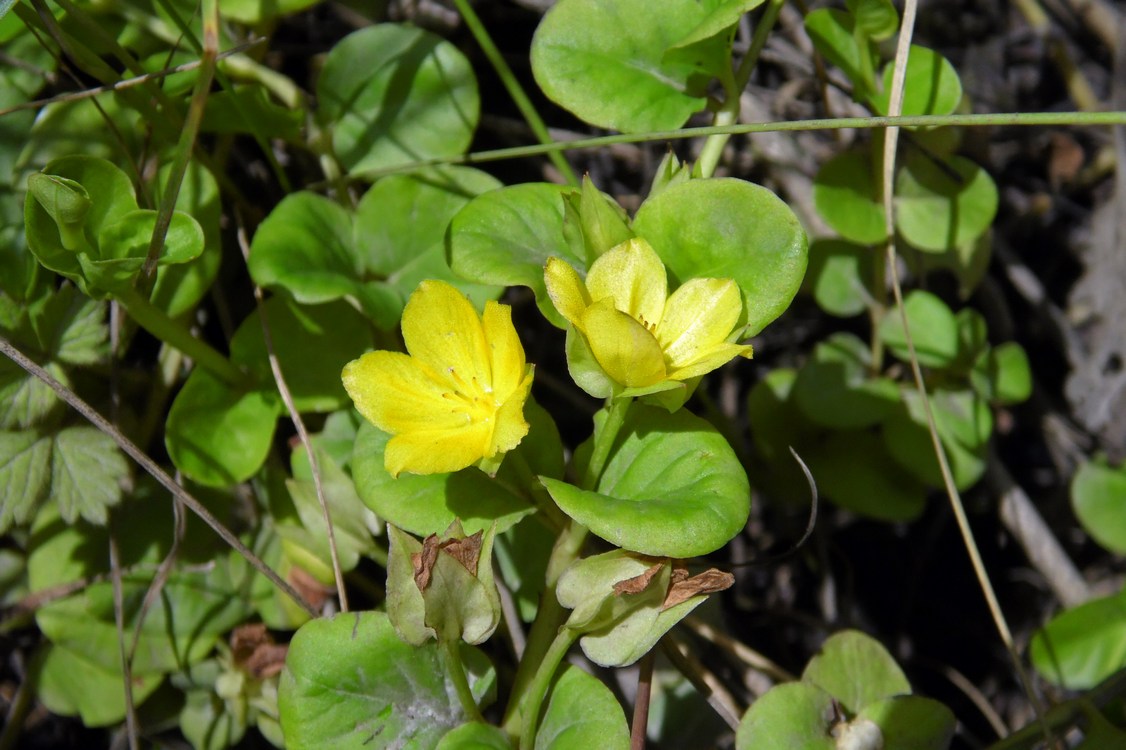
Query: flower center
[470, 398]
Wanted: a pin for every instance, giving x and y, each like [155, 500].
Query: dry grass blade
[150, 466]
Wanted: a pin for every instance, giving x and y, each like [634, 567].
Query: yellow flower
[639, 334]
[458, 397]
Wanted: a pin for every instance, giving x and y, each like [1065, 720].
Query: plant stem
[156, 321]
[549, 619]
[604, 438]
[455, 668]
[729, 113]
[515, 90]
[538, 690]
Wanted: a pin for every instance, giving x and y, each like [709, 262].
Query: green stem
[545, 629]
[515, 90]
[533, 489]
[604, 438]
[729, 112]
[156, 321]
[455, 668]
[538, 690]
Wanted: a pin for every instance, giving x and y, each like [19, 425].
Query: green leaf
[87, 471]
[728, 228]
[428, 504]
[218, 435]
[876, 18]
[393, 95]
[1002, 374]
[791, 715]
[25, 460]
[475, 736]
[312, 345]
[606, 62]
[836, 389]
[672, 487]
[581, 713]
[112, 198]
[856, 670]
[71, 684]
[931, 87]
[853, 469]
[130, 235]
[400, 227]
[252, 12]
[248, 109]
[72, 328]
[1082, 646]
[506, 236]
[846, 194]
[964, 422]
[350, 517]
[349, 681]
[911, 722]
[25, 400]
[939, 207]
[180, 286]
[207, 724]
[831, 31]
[934, 330]
[841, 275]
[1098, 496]
[721, 16]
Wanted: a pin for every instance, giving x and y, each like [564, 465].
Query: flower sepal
[442, 587]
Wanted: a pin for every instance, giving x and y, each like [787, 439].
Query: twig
[119, 627]
[146, 463]
[1025, 523]
[641, 701]
[740, 651]
[703, 679]
[295, 416]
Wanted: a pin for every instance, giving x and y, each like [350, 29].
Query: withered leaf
[466, 551]
[423, 562]
[246, 638]
[267, 660]
[682, 587]
[311, 590]
[638, 583]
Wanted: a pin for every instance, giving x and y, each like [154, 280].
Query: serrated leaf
[87, 471]
[80, 335]
[25, 459]
[25, 400]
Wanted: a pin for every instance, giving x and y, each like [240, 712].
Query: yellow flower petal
[699, 316]
[716, 357]
[436, 451]
[397, 393]
[628, 352]
[442, 330]
[566, 290]
[632, 275]
[510, 427]
[506, 355]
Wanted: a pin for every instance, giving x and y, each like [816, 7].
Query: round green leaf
[939, 207]
[505, 237]
[581, 713]
[349, 682]
[846, 194]
[130, 235]
[931, 87]
[877, 18]
[1098, 496]
[964, 424]
[856, 670]
[179, 287]
[831, 31]
[400, 227]
[306, 247]
[840, 276]
[335, 332]
[672, 487]
[219, 435]
[836, 389]
[70, 684]
[853, 469]
[792, 715]
[911, 722]
[1002, 374]
[729, 229]
[394, 95]
[428, 503]
[606, 62]
[934, 330]
[1081, 647]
